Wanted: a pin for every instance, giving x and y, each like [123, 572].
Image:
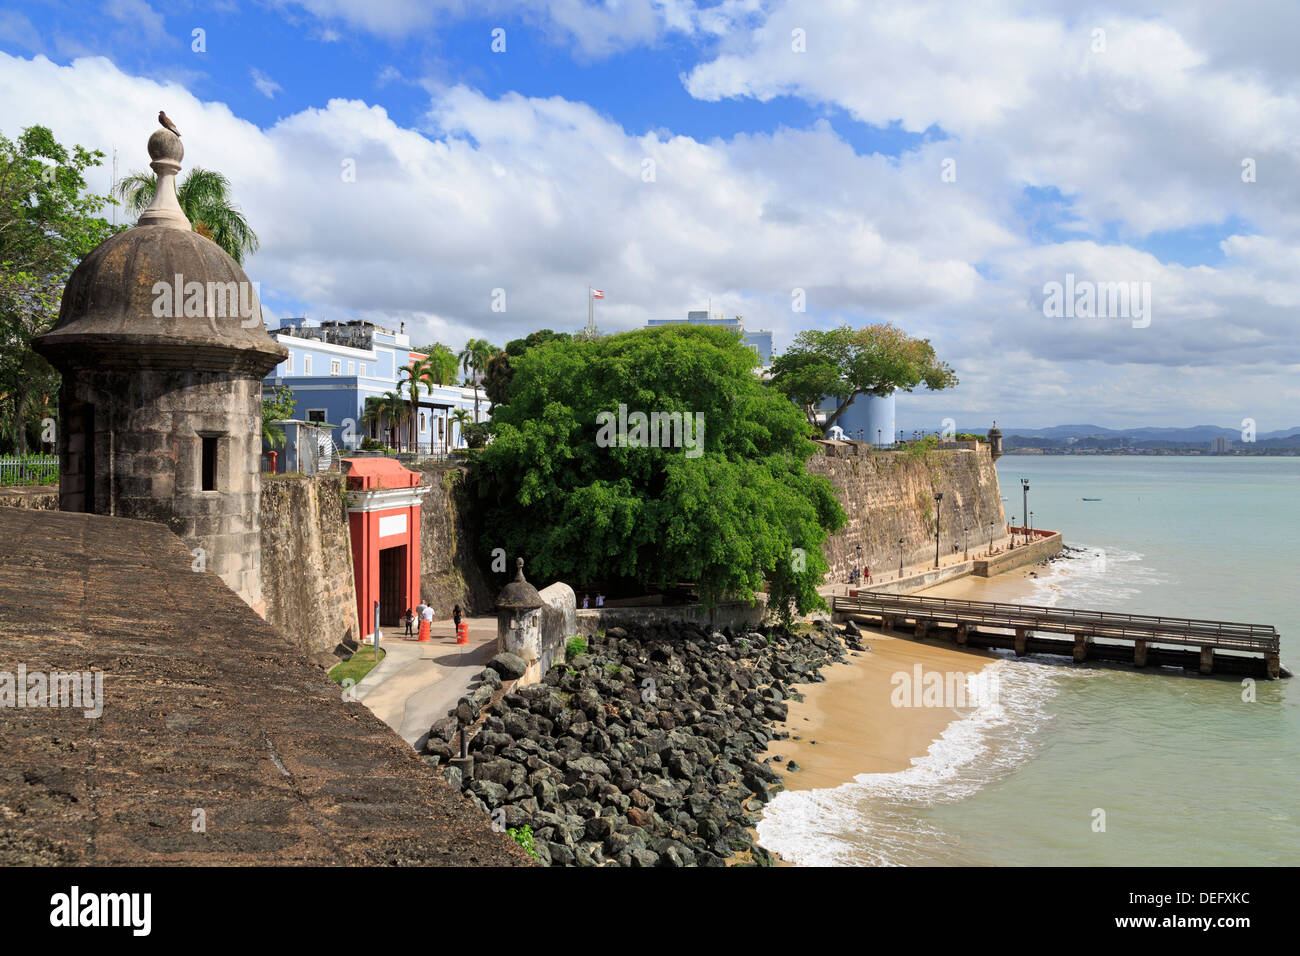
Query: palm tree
[273, 435]
[204, 196]
[440, 364]
[278, 405]
[416, 374]
[373, 413]
[474, 358]
[461, 418]
[393, 409]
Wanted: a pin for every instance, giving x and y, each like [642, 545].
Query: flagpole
[591, 309]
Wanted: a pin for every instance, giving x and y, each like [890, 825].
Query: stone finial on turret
[519, 595]
[165, 153]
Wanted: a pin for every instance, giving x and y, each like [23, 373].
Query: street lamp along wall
[1024, 487]
[938, 507]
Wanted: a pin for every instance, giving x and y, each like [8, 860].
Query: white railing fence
[29, 469]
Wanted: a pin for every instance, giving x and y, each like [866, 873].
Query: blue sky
[816, 169]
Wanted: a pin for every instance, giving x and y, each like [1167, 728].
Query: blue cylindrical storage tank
[870, 418]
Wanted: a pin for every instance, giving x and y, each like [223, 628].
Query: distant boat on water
[1092, 499]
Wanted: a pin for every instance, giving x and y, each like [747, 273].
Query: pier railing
[1227, 635]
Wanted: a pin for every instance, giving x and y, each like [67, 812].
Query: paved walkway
[888, 576]
[416, 684]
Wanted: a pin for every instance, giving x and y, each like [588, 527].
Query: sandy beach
[848, 725]
[852, 717]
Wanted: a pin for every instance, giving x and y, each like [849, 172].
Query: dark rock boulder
[509, 666]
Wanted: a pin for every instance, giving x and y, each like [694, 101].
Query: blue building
[870, 418]
[334, 367]
[760, 340]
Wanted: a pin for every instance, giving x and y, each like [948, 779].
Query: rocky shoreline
[643, 750]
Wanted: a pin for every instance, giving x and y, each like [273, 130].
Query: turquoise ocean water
[1185, 771]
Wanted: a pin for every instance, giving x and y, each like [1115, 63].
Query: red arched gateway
[384, 518]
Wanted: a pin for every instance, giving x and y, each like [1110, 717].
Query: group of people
[862, 576]
[600, 600]
[423, 617]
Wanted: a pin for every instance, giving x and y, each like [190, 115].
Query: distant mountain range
[1193, 435]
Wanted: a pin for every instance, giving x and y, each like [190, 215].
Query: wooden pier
[1141, 639]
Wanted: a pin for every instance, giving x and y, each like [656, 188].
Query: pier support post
[887, 624]
[1080, 648]
[1273, 665]
[922, 628]
[962, 629]
[1139, 653]
[1022, 637]
[1207, 660]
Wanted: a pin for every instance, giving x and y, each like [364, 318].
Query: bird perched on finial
[167, 124]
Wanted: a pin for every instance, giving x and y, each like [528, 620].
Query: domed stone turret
[519, 595]
[162, 349]
[995, 441]
[519, 618]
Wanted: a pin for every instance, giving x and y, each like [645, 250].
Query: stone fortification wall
[889, 495]
[307, 577]
[449, 571]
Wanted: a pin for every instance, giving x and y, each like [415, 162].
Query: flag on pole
[597, 294]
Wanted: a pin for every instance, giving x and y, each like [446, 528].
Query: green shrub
[575, 647]
[524, 837]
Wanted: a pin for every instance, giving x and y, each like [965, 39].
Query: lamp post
[859, 564]
[1012, 532]
[938, 508]
[1031, 522]
[965, 543]
[900, 559]
[991, 523]
[1024, 487]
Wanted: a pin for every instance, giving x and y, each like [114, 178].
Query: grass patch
[357, 666]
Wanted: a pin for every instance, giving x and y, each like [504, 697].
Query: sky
[803, 164]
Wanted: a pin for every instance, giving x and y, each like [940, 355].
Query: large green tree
[500, 371]
[48, 222]
[844, 363]
[733, 514]
[205, 198]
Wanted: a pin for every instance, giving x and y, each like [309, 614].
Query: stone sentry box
[160, 406]
[535, 625]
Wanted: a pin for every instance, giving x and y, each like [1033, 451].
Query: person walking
[586, 602]
[455, 620]
[600, 600]
[426, 622]
[409, 621]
